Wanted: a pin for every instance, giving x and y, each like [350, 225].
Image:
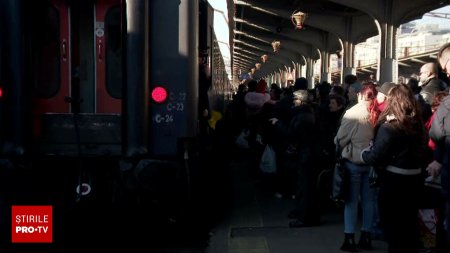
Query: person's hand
[273, 120]
[205, 113]
[366, 149]
[434, 168]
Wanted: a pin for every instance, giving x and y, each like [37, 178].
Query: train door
[76, 53]
[50, 57]
[96, 51]
[108, 56]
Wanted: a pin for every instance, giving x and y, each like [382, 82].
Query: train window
[45, 53]
[113, 53]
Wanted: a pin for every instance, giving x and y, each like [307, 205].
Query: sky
[443, 22]
[221, 30]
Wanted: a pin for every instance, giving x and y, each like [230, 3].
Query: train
[99, 108]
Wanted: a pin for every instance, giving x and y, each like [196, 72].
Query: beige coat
[355, 132]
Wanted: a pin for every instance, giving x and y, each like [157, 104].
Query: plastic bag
[268, 163]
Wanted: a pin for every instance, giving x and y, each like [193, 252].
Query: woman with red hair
[355, 134]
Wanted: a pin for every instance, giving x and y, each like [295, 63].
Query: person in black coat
[302, 135]
[399, 143]
[440, 134]
[429, 82]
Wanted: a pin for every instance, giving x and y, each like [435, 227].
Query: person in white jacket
[355, 134]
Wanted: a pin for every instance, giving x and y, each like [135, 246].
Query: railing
[403, 52]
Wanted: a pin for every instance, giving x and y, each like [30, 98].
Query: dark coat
[430, 88]
[301, 132]
[394, 147]
[283, 109]
[440, 134]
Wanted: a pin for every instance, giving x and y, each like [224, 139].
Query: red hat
[262, 86]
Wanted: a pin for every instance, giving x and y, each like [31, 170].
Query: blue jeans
[359, 189]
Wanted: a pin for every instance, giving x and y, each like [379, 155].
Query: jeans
[359, 189]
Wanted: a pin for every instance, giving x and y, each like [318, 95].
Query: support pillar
[388, 55]
[310, 72]
[325, 66]
[349, 60]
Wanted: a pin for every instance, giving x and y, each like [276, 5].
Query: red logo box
[32, 224]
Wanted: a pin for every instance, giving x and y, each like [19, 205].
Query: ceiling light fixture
[276, 45]
[264, 58]
[298, 18]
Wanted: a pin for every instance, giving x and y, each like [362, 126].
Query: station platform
[258, 223]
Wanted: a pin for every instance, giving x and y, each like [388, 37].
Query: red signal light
[1, 92]
[159, 94]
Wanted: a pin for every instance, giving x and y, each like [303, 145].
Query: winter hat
[301, 95]
[262, 86]
[386, 87]
[301, 84]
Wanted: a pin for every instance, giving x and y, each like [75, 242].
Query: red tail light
[159, 94]
[1, 92]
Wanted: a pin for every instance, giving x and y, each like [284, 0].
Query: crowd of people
[398, 129]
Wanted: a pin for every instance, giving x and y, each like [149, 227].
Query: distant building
[412, 39]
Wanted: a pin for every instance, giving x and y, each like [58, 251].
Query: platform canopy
[309, 29]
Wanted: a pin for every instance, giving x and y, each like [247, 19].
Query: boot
[349, 243]
[365, 241]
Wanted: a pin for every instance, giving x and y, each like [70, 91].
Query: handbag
[433, 182]
[341, 178]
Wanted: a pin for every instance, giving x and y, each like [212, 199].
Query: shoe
[365, 241]
[349, 243]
